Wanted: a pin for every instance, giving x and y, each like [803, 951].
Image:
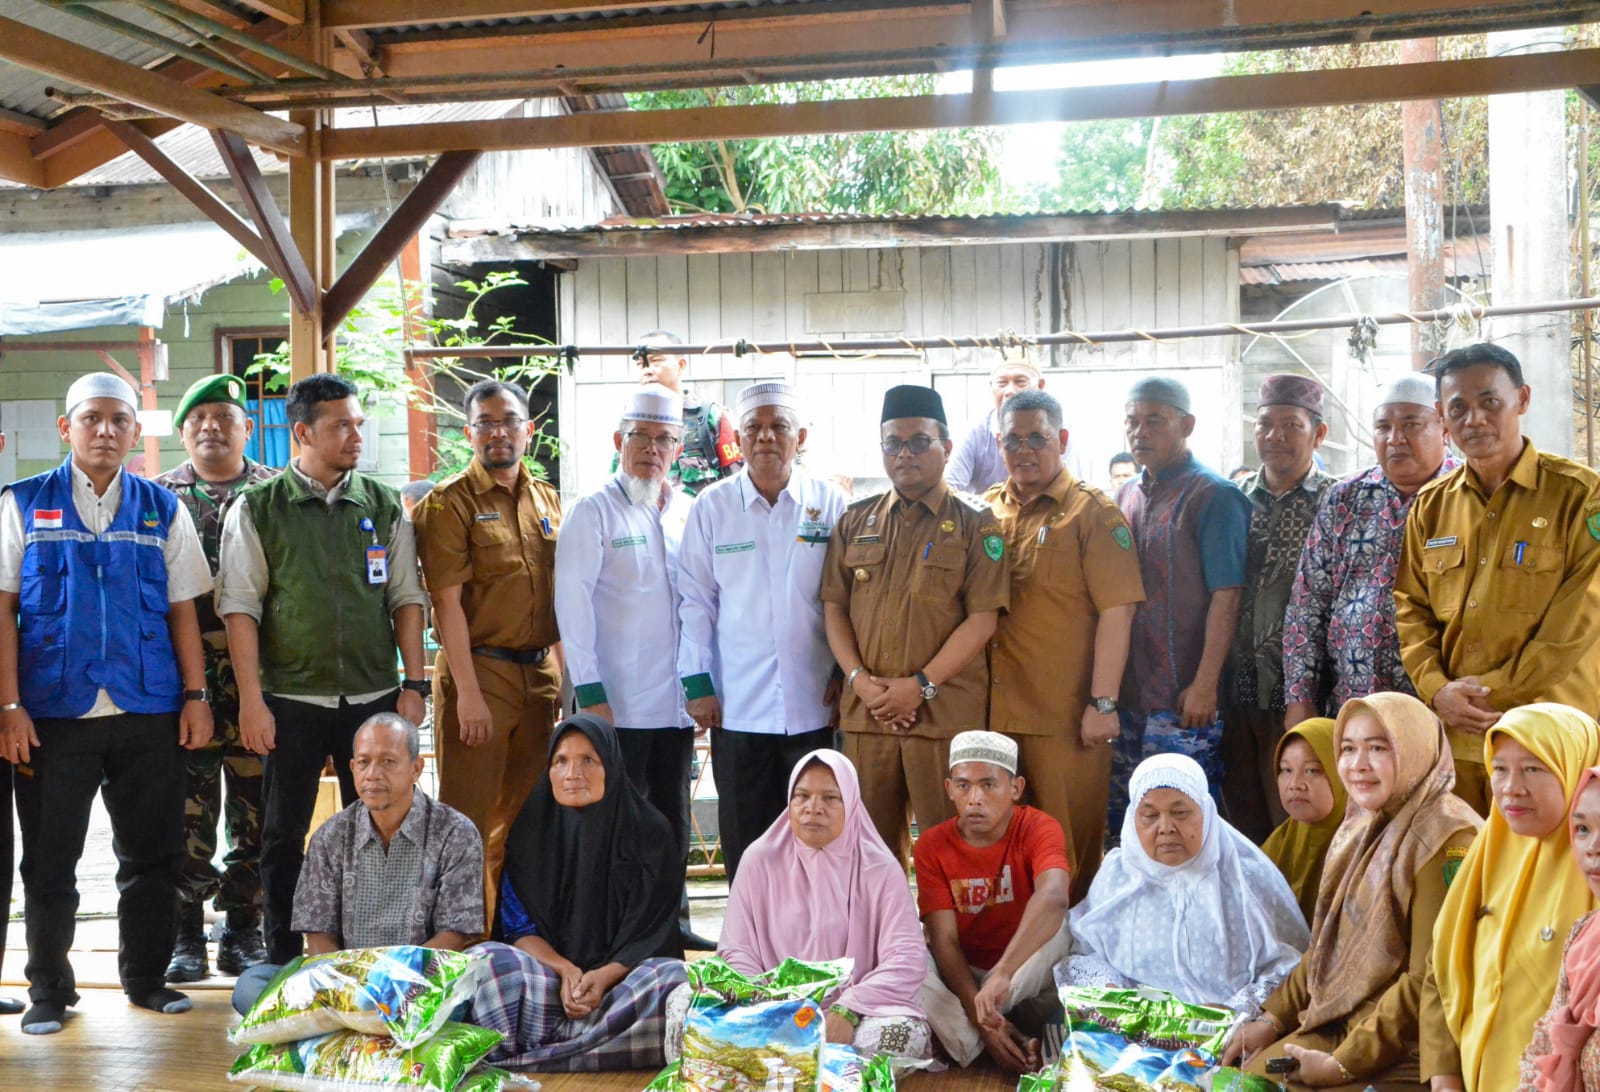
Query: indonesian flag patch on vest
[47, 517]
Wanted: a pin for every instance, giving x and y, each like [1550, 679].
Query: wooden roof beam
[289, 12]
[83, 67]
[401, 227]
[370, 14]
[198, 194]
[1280, 90]
[287, 261]
[17, 163]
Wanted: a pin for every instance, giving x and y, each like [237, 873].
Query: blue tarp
[17, 320]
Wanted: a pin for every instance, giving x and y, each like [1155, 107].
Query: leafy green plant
[370, 352]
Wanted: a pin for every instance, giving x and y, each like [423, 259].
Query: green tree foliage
[943, 171]
[1284, 157]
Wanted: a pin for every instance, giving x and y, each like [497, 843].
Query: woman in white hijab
[1187, 904]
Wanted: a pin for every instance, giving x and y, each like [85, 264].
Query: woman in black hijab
[588, 907]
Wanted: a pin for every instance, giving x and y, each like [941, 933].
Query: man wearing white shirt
[617, 603]
[753, 653]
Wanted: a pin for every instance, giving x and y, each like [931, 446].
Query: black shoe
[10, 1006]
[189, 950]
[240, 946]
[694, 942]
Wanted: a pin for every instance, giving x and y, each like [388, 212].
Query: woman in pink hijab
[820, 884]
[1564, 1055]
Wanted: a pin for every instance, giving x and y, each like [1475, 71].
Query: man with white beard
[616, 583]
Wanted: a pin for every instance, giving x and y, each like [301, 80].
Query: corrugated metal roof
[413, 31]
[22, 89]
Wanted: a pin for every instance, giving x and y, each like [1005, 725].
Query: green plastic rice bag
[348, 1061]
[1138, 1040]
[1229, 1079]
[844, 1069]
[761, 1034]
[405, 992]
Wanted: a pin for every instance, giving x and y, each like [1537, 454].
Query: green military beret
[213, 388]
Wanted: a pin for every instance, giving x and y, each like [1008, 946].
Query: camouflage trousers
[1157, 733]
[237, 886]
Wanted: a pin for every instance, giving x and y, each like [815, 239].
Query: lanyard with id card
[377, 556]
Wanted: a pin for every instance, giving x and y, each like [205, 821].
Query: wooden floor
[108, 1044]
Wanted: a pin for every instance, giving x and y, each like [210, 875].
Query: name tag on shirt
[1435, 543]
[377, 565]
[736, 548]
[624, 543]
[487, 517]
[861, 540]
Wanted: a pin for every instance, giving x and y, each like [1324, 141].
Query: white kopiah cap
[757, 395]
[100, 385]
[990, 747]
[654, 402]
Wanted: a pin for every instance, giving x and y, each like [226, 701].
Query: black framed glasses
[642, 440]
[918, 444]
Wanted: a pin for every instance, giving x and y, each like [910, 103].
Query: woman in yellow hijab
[1311, 792]
[1497, 947]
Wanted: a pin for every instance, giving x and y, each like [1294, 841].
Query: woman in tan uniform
[1347, 1015]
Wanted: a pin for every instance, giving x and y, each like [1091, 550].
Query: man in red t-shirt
[993, 888]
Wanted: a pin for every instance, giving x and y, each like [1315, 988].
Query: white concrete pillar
[1528, 187]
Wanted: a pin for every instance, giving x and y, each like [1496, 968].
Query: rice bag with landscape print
[1134, 1040]
[348, 1061]
[405, 992]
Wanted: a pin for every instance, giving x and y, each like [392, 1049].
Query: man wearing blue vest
[102, 679]
[318, 585]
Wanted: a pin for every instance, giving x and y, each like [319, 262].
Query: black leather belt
[522, 656]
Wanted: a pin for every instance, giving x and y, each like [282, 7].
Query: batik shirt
[1339, 637]
[1278, 530]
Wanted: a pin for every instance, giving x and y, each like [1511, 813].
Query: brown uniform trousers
[1071, 558]
[908, 574]
[498, 546]
[1503, 588]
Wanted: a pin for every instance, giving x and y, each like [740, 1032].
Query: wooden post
[310, 214]
[147, 398]
[1421, 122]
[422, 451]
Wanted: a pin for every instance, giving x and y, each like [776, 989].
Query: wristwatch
[418, 686]
[929, 691]
[197, 695]
[1104, 705]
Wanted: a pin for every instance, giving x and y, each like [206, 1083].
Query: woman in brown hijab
[1347, 1015]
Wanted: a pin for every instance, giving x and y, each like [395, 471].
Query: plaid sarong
[521, 998]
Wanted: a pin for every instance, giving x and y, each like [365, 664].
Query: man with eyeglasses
[753, 654]
[215, 426]
[1189, 527]
[976, 463]
[1057, 658]
[319, 588]
[487, 540]
[914, 582]
[617, 603]
[710, 443]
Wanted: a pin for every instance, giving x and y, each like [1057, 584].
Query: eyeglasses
[510, 424]
[1035, 441]
[918, 444]
[642, 440]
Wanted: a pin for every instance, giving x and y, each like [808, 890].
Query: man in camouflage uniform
[710, 437]
[215, 429]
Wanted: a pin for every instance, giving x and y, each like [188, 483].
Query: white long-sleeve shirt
[617, 605]
[750, 577]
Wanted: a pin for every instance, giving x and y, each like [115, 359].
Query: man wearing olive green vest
[318, 585]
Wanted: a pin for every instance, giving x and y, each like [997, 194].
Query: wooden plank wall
[1027, 289]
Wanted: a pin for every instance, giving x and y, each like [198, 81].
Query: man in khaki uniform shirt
[1056, 663]
[487, 540]
[1495, 599]
[912, 588]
